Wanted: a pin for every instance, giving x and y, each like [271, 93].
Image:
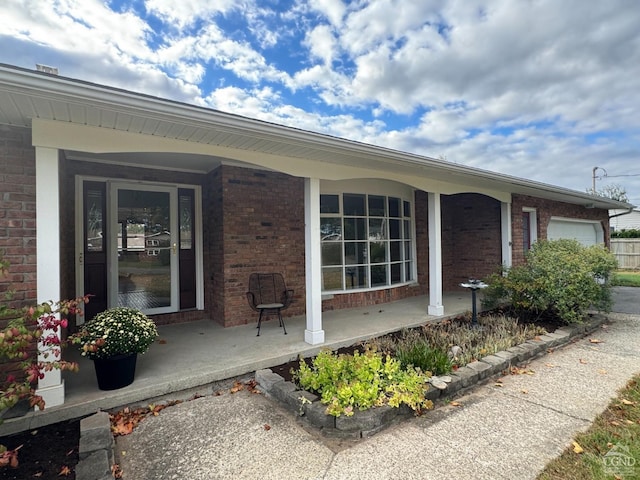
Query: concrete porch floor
[193, 355]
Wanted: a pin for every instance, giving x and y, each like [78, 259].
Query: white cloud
[333, 10]
[321, 43]
[183, 13]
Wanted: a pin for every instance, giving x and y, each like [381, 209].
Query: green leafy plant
[362, 381]
[116, 331]
[560, 278]
[415, 351]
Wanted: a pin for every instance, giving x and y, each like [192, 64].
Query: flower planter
[115, 372]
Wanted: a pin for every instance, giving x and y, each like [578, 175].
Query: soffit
[27, 95]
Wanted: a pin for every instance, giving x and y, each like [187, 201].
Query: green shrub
[362, 381]
[560, 278]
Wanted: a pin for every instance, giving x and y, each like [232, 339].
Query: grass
[615, 430]
[626, 278]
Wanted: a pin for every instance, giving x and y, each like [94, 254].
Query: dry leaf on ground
[577, 448]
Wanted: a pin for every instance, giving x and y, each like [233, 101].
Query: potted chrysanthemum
[113, 339]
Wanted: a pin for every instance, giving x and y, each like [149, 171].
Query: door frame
[79, 232]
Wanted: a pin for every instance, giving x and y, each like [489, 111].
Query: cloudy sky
[540, 89]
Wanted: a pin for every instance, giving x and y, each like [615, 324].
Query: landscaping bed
[278, 382]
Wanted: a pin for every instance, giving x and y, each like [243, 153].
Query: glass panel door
[146, 248]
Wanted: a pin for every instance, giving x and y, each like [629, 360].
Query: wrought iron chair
[268, 295]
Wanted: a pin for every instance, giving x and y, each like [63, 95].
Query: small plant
[362, 381]
[415, 351]
[116, 331]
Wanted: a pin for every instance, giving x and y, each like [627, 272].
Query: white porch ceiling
[26, 95]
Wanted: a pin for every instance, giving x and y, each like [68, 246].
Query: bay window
[366, 241]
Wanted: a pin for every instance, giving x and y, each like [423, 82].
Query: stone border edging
[97, 447]
[366, 423]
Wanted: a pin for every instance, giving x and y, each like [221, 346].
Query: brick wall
[545, 209]
[18, 214]
[263, 231]
[471, 238]
[17, 227]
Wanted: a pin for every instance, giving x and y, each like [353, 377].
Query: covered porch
[191, 356]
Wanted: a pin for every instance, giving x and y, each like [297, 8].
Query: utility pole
[593, 189]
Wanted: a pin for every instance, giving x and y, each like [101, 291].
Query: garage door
[587, 233]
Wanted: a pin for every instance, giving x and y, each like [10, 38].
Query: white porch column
[51, 387]
[507, 239]
[313, 334]
[435, 256]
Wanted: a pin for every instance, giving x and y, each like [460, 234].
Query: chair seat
[264, 306]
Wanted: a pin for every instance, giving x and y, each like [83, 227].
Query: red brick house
[170, 207]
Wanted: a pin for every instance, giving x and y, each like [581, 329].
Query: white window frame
[406, 262]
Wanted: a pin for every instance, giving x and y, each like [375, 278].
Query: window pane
[407, 229]
[407, 251]
[394, 229]
[376, 206]
[378, 252]
[356, 277]
[353, 204]
[396, 273]
[93, 221]
[332, 278]
[407, 209]
[355, 229]
[377, 230]
[394, 207]
[378, 275]
[331, 254]
[186, 222]
[330, 229]
[408, 271]
[354, 253]
[395, 249]
[329, 204]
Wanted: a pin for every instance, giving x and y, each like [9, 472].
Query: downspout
[631, 209]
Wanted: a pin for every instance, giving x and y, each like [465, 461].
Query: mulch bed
[45, 452]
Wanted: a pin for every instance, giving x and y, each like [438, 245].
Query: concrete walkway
[508, 432]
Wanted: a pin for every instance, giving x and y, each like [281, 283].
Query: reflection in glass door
[146, 262]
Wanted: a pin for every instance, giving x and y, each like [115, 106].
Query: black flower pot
[115, 372]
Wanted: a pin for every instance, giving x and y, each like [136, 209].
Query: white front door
[143, 253]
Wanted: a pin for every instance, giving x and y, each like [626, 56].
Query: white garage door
[587, 233]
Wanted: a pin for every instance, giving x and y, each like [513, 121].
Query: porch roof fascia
[20, 81]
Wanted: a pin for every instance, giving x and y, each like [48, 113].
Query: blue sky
[540, 89]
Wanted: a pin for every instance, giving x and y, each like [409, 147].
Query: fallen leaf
[602, 371]
[162, 341]
[594, 340]
[521, 371]
[267, 427]
[577, 448]
[237, 387]
[627, 402]
[122, 428]
[455, 404]
[549, 365]
[64, 471]
[584, 362]
[498, 383]
[116, 471]
[614, 423]
[524, 391]
[629, 422]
